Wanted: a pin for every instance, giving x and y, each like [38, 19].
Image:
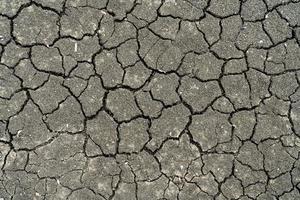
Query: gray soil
[149, 99]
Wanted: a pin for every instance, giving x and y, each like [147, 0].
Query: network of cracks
[149, 99]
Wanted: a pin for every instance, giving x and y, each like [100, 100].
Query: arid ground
[149, 99]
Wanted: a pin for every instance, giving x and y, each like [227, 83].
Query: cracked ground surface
[149, 99]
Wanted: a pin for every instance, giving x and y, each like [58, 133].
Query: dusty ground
[149, 99]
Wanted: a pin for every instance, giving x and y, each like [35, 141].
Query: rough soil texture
[149, 99]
